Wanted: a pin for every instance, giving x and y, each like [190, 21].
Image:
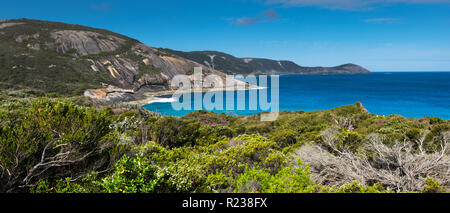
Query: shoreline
[150, 97]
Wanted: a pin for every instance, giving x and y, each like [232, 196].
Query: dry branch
[398, 167]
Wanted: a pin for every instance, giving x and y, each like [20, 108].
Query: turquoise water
[411, 94]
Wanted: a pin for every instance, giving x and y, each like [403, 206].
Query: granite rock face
[8, 24]
[122, 66]
[132, 73]
[85, 42]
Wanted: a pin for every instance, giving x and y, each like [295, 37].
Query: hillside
[69, 59]
[70, 144]
[232, 65]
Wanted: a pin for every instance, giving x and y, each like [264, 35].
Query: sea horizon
[423, 71]
[399, 94]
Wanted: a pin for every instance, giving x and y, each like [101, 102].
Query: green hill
[69, 59]
[232, 65]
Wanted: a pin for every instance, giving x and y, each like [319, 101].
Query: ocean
[410, 94]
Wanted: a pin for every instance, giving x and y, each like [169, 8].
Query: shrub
[287, 180]
[432, 186]
[436, 120]
[64, 185]
[245, 151]
[413, 134]
[132, 175]
[219, 182]
[186, 175]
[356, 187]
[53, 139]
[284, 137]
[173, 132]
[195, 153]
[350, 140]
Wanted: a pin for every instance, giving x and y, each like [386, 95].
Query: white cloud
[268, 15]
[381, 20]
[104, 7]
[271, 14]
[350, 4]
[246, 21]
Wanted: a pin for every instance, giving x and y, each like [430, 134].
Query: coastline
[152, 97]
[315, 93]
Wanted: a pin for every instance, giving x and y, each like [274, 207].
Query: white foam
[162, 100]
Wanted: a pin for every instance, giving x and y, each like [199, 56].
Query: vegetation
[42, 68]
[30, 57]
[244, 66]
[53, 141]
[147, 70]
[53, 144]
[223, 62]
[50, 137]
[47, 71]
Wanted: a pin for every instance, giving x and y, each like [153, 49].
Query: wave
[162, 100]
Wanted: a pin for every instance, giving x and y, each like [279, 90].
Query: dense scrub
[58, 145]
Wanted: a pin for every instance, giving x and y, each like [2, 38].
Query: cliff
[73, 59]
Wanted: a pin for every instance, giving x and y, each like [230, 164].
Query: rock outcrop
[9, 24]
[121, 66]
[85, 42]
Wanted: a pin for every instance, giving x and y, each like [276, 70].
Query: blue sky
[381, 35]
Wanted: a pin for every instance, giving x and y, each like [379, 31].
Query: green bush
[173, 132]
[413, 134]
[287, 180]
[284, 137]
[49, 137]
[350, 140]
[201, 152]
[132, 175]
[66, 185]
[432, 186]
[356, 187]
